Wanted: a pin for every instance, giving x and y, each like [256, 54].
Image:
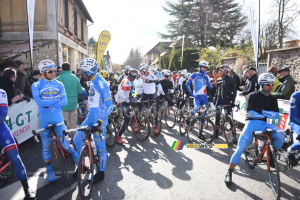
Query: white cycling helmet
[127, 68]
[45, 64]
[123, 72]
[203, 63]
[164, 70]
[265, 78]
[155, 70]
[183, 72]
[88, 65]
[143, 67]
[167, 73]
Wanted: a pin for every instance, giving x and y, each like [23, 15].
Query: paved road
[151, 170]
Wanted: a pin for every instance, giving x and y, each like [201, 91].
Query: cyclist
[113, 85]
[156, 73]
[149, 87]
[50, 96]
[138, 86]
[124, 100]
[260, 106]
[200, 80]
[226, 93]
[295, 125]
[8, 146]
[185, 93]
[126, 71]
[167, 86]
[100, 107]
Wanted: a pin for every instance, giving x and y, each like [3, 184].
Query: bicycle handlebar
[267, 131]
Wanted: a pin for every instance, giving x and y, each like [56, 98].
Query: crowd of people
[58, 94]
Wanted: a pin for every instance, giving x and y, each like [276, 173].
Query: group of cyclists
[141, 84]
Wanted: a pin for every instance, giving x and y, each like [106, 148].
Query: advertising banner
[103, 41]
[22, 119]
[30, 17]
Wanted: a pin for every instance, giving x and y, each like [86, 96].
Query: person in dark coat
[235, 77]
[287, 84]
[252, 83]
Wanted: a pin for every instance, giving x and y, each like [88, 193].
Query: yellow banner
[103, 41]
[172, 55]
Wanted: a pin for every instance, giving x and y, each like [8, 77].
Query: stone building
[289, 57]
[60, 28]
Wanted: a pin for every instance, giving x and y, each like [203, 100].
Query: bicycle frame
[3, 157]
[54, 138]
[265, 149]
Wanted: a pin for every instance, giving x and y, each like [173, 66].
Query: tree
[134, 59]
[287, 12]
[91, 41]
[205, 22]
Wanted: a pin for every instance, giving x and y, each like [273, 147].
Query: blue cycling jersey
[295, 108]
[200, 81]
[49, 95]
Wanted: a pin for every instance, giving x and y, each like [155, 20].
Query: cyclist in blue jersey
[260, 106]
[50, 96]
[100, 107]
[9, 147]
[199, 80]
[295, 125]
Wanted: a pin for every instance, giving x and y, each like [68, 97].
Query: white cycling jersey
[138, 86]
[125, 88]
[149, 84]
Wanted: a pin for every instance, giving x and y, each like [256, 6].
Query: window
[67, 14]
[75, 22]
[82, 34]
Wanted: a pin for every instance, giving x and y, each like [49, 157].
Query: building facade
[60, 23]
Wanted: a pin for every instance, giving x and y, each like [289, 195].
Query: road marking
[63, 192]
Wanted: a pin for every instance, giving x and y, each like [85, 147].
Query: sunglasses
[51, 71]
[269, 84]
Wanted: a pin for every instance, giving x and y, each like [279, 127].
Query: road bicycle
[155, 116]
[255, 152]
[201, 128]
[139, 123]
[227, 125]
[88, 162]
[60, 154]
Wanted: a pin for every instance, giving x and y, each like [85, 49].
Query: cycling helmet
[133, 72]
[183, 72]
[123, 72]
[89, 66]
[127, 68]
[143, 67]
[167, 73]
[225, 67]
[265, 78]
[104, 74]
[155, 70]
[45, 64]
[203, 63]
[111, 74]
[163, 71]
[118, 73]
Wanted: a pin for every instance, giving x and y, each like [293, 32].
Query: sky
[136, 23]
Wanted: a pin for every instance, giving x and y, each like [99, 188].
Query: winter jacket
[286, 88]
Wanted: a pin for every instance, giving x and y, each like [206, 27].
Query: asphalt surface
[150, 170]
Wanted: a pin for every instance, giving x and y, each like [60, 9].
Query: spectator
[73, 89]
[22, 82]
[210, 74]
[252, 83]
[7, 83]
[287, 84]
[35, 76]
[273, 70]
[175, 75]
[245, 76]
[235, 77]
[216, 75]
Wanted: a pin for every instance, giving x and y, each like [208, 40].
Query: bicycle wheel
[140, 127]
[228, 128]
[86, 171]
[8, 173]
[274, 175]
[111, 134]
[251, 153]
[61, 162]
[182, 127]
[282, 160]
[170, 118]
[208, 131]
